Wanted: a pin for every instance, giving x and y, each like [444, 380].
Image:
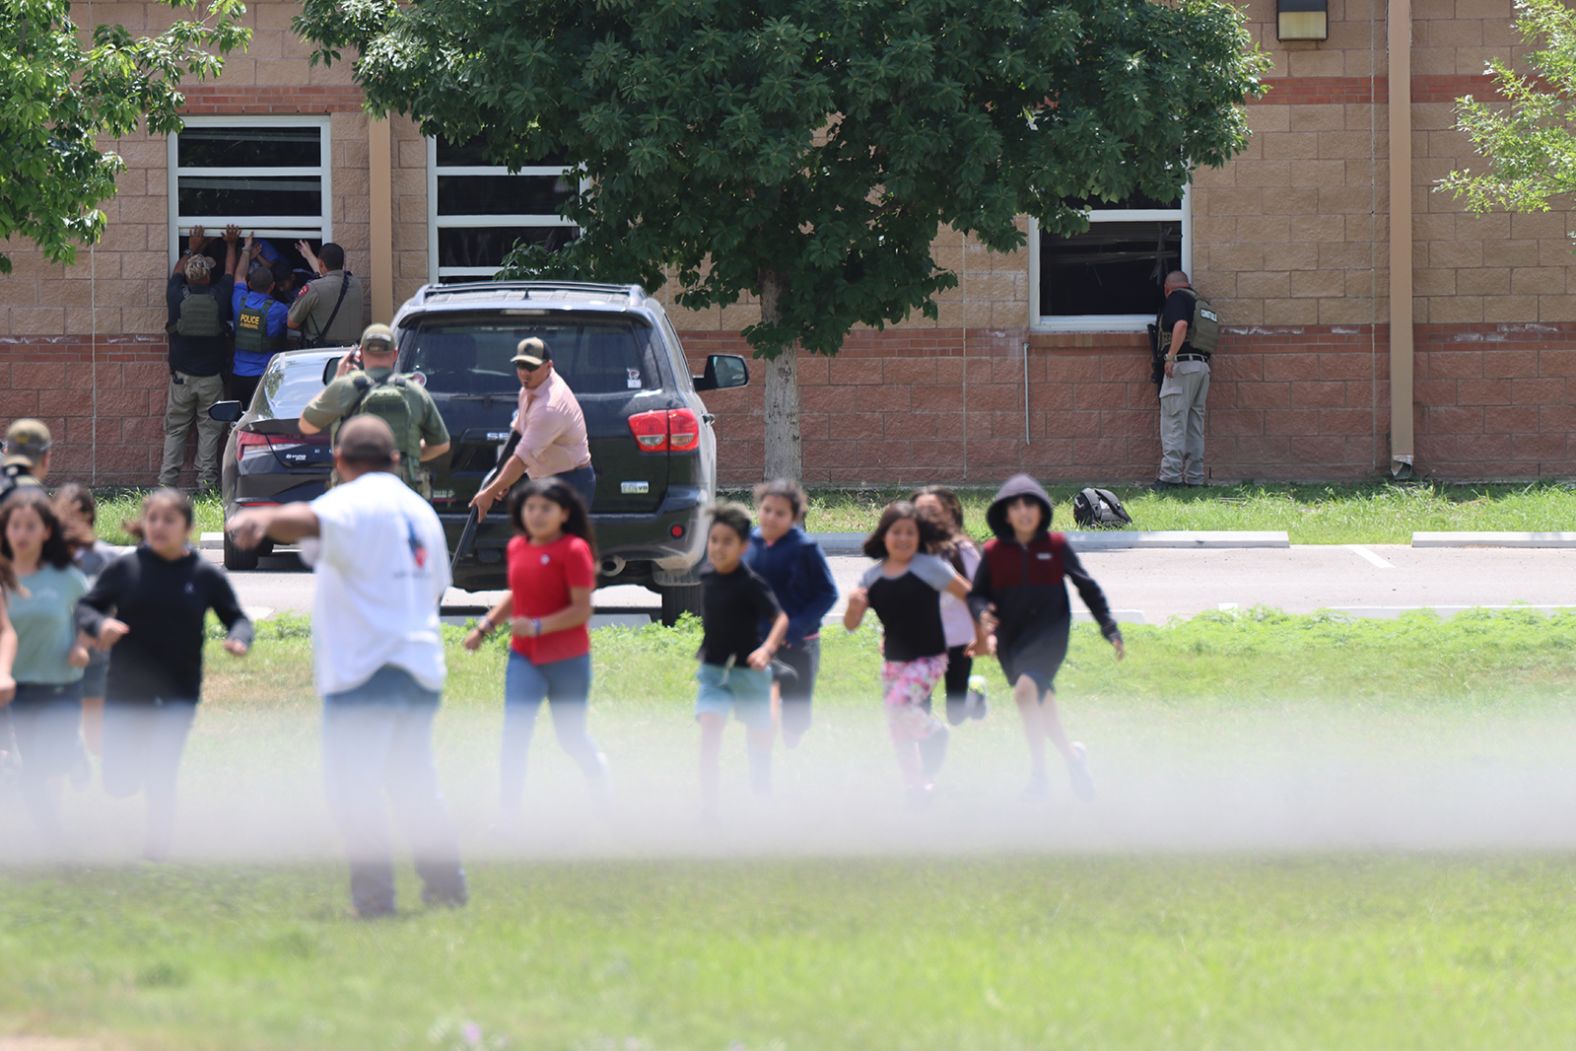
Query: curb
[210, 541]
[1111, 540]
[1521, 540]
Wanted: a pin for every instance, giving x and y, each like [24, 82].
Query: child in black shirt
[735, 661]
[151, 606]
[902, 587]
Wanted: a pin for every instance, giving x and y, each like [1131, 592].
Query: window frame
[1107, 322]
[322, 230]
[436, 222]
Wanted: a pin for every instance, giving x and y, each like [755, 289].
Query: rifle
[468, 534]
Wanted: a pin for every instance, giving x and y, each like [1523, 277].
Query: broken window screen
[270, 177]
[479, 210]
[1115, 268]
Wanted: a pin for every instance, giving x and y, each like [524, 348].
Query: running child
[901, 588]
[46, 708]
[784, 556]
[552, 575]
[735, 652]
[76, 508]
[1020, 591]
[151, 606]
[945, 510]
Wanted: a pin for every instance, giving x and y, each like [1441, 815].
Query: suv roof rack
[634, 292]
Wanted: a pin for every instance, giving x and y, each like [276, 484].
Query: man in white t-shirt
[382, 567]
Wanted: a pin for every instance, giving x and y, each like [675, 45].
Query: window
[1110, 277]
[472, 356]
[270, 176]
[477, 211]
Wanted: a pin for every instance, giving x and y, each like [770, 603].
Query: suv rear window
[471, 355]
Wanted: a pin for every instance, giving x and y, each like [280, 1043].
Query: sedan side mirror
[226, 411]
[723, 372]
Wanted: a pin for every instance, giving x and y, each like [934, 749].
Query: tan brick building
[1291, 241]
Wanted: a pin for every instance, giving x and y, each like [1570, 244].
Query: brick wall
[1289, 241]
[949, 404]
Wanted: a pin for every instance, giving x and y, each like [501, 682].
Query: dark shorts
[94, 678]
[1038, 655]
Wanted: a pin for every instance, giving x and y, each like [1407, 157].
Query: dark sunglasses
[522, 366]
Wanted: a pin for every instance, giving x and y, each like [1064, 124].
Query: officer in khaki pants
[199, 306]
[1189, 332]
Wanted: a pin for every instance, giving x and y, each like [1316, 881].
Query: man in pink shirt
[552, 431]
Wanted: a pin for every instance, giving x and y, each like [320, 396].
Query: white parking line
[1369, 557]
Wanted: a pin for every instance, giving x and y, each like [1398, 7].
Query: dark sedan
[267, 460]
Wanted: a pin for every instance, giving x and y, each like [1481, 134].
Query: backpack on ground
[1099, 509]
[199, 317]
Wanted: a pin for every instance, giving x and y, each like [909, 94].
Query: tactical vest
[390, 399]
[1203, 334]
[199, 317]
[251, 328]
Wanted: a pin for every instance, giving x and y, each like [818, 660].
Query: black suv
[652, 442]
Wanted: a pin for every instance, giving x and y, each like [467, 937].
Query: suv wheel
[678, 600]
[235, 558]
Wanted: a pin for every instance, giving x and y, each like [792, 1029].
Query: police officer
[199, 315]
[366, 384]
[260, 322]
[27, 445]
[330, 310]
[1186, 342]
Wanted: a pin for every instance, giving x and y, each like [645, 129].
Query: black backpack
[1099, 509]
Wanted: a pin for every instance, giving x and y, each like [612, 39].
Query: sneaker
[1161, 485]
[920, 798]
[1078, 771]
[1038, 789]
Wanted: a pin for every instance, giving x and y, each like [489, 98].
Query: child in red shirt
[552, 574]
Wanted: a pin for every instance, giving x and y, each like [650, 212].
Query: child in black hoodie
[1020, 588]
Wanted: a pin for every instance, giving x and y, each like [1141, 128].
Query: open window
[477, 211]
[1111, 277]
[270, 176]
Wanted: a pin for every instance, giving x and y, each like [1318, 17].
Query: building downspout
[380, 162]
[1402, 430]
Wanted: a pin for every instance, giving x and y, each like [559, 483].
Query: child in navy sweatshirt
[1021, 589]
[783, 555]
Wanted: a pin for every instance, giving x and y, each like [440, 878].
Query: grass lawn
[1312, 514]
[1013, 950]
[116, 506]
[1004, 953]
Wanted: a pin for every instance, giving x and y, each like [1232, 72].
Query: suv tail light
[666, 431]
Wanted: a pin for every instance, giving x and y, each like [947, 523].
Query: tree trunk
[784, 449]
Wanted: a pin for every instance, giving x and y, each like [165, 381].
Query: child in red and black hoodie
[1020, 596]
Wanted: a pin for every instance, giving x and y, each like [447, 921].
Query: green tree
[1526, 138]
[58, 96]
[808, 151]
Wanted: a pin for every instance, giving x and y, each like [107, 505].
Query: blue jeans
[143, 744]
[583, 481]
[45, 718]
[377, 748]
[566, 686]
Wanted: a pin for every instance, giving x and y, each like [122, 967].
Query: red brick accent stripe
[218, 99]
